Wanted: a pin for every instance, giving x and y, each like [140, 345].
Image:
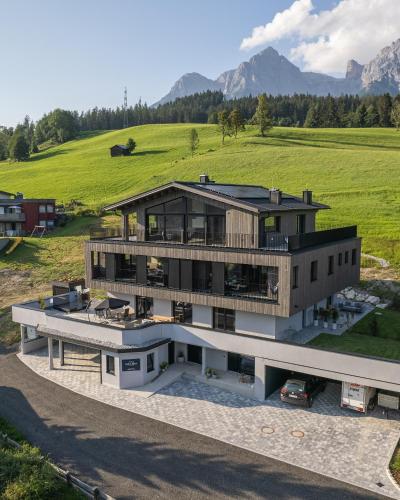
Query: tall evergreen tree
[361, 115]
[18, 147]
[262, 117]
[384, 110]
[313, 117]
[371, 117]
[395, 115]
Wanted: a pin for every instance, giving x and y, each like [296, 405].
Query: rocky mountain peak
[272, 73]
[354, 70]
[382, 74]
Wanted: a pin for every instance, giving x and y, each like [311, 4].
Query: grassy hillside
[356, 171]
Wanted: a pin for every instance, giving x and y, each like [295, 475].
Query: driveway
[131, 456]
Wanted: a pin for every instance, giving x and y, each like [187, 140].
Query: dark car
[302, 391]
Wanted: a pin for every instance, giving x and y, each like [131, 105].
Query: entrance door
[171, 353]
[194, 354]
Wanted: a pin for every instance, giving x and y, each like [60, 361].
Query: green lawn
[356, 171]
[388, 324]
[359, 340]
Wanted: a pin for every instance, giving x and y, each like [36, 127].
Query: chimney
[204, 179]
[275, 196]
[307, 197]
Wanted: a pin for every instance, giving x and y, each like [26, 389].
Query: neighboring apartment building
[19, 215]
[216, 275]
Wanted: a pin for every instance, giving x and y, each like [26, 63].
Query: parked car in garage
[302, 391]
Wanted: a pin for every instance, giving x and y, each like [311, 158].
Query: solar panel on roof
[240, 192]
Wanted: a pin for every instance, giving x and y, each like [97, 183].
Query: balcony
[270, 242]
[277, 242]
[12, 217]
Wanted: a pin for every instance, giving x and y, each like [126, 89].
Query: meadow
[355, 171]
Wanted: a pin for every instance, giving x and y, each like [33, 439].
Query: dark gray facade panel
[186, 274]
[218, 277]
[141, 273]
[174, 274]
[110, 266]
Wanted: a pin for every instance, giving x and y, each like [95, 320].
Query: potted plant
[214, 373]
[335, 316]
[163, 366]
[181, 357]
[208, 372]
[316, 317]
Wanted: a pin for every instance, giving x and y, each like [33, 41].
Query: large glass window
[353, 257]
[125, 268]
[314, 270]
[110, 364]
[186, 220]
[157, 271]
[183, 312]
[301, 224]
[256, 282]
[99, 265]
[241, 364]
[155, 227]
[330, 264]
[150, 362]
[144, 307]
[224, 319]
[272, 224]
[196, 229]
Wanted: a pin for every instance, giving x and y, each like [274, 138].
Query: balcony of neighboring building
[11, 214]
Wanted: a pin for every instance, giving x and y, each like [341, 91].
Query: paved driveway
[131, 456]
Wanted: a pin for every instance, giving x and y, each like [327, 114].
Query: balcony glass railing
[270, 241]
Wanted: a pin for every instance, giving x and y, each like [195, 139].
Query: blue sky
[77, 54]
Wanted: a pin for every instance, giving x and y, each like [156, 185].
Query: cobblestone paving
[336, 442]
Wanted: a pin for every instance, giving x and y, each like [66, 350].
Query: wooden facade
[244, 233]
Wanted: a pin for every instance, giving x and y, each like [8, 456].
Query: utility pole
[125, 108]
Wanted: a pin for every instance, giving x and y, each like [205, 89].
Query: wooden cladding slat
[192, 297]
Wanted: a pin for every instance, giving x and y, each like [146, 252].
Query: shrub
[395, 305]
[25, 475]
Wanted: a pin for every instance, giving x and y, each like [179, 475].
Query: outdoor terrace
[272, 241]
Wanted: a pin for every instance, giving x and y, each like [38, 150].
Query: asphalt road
[130, 456]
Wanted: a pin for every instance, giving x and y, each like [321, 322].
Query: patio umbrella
[111, 303]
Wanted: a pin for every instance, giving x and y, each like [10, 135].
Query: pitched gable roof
[252, 198]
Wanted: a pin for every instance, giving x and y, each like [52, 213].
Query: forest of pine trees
[286, 111]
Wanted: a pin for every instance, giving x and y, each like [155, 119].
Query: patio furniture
[350, 306]
[103, 310]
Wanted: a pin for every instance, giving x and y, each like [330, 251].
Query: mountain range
[274, 74]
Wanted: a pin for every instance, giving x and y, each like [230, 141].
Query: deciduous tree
[131, 144]
[236, 121]
[262, 117]
[193, 140]
[223, 124]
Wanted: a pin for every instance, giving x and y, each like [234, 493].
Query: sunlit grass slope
[355, 171]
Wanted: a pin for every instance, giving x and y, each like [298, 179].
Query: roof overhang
[129, 202]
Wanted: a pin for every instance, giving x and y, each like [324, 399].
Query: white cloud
[325, 41]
